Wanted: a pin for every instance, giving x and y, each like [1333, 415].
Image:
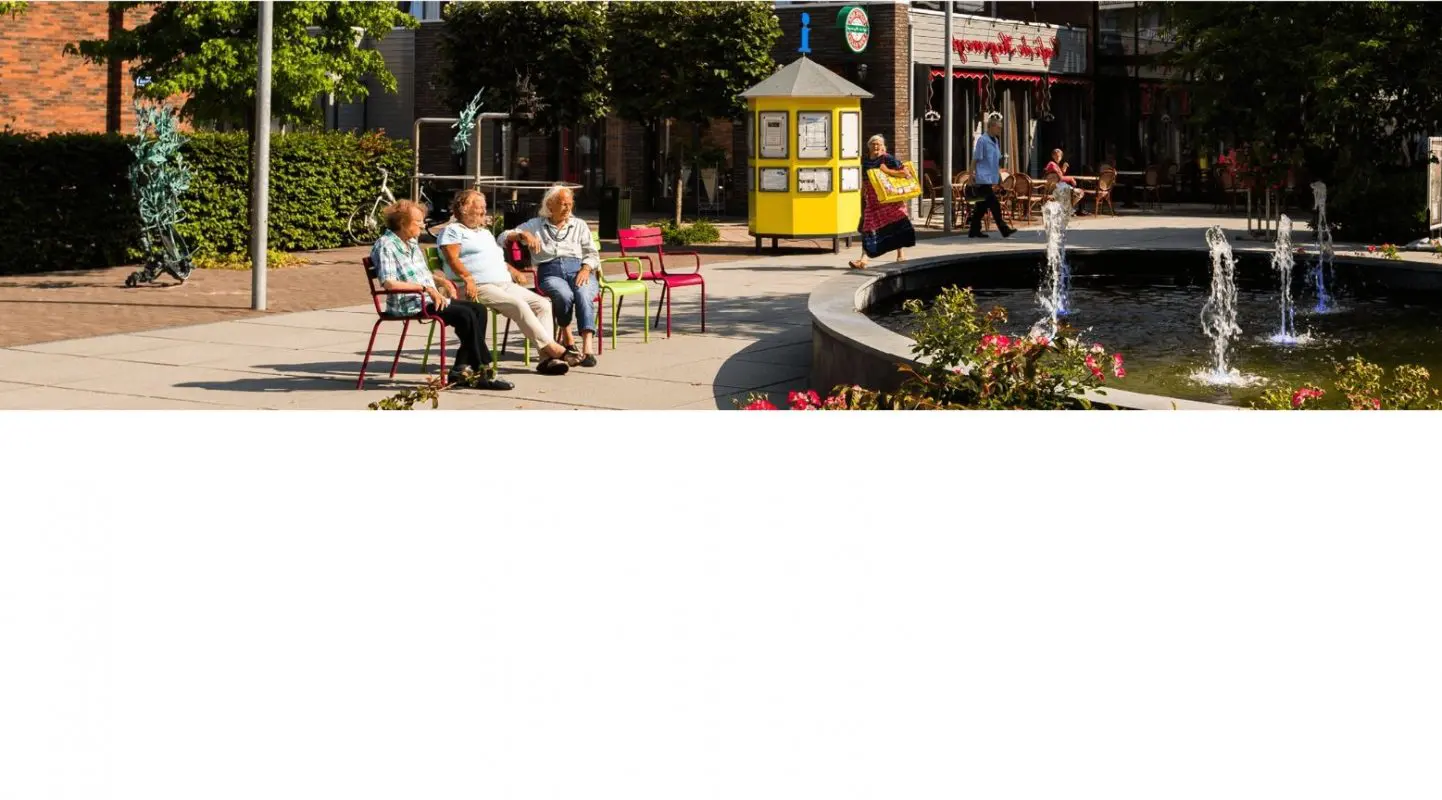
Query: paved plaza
[758, 338]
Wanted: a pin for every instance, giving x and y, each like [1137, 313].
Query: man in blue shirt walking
[986, 170]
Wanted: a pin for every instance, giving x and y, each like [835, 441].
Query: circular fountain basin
[1147, 305]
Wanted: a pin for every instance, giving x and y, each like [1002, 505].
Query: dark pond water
[1149, 309]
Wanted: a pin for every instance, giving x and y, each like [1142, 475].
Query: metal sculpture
[466, 125]
[158, 178]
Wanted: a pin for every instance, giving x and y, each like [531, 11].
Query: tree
[542, 60]
[207, 52]
[13, 8]
[688, 61]
[1342, 88]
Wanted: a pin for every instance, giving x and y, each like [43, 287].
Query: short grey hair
[875, 138]
[552, 195]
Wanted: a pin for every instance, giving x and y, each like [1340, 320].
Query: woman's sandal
[553, 366]
[858, 264]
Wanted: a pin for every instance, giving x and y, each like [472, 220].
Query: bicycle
[366, 224]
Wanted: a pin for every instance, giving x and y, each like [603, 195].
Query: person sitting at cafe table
[1059, 167]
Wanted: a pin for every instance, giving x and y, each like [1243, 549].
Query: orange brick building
[46, 91]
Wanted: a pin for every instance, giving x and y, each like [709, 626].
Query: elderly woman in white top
[566, 262]
[472, 258]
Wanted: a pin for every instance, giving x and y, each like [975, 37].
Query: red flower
[1043, 341]
[1091, 363]
[761, 404]
[1376, 404]
[1304, 394]
[1371, 248]
[804, 401]
[1117, 368]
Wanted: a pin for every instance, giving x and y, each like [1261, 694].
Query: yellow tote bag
[892, 189]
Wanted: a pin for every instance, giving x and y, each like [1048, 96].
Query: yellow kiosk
[804, 138]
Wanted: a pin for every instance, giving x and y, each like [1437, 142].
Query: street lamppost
[948, 127]
[260, 188]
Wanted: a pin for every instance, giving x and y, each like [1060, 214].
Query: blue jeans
[558, 281]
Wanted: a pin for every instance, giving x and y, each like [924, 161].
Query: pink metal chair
[382, 316]
[633, 238]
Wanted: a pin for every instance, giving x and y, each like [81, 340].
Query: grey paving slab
[239, 332]
[180, 354]
[55, 397]
[727, 374]
[20, 366]
[608, 391]
[98, 345]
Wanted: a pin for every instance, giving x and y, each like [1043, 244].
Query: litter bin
[615, 211]
[516, 212]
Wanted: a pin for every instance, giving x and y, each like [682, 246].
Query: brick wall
[886, 57]
[435, 145]
[44, 90]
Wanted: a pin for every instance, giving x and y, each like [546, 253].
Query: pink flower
[1117, 368]
[1091, 363]
[1098, 349]
[1376, 404]
[761, 404]
[1043, 341]
[1371, 248]
[995, 340]
[1304, 394]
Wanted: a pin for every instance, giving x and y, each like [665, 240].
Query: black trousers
[987, 202]
[468, 320]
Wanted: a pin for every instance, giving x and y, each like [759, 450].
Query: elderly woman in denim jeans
[566, 262]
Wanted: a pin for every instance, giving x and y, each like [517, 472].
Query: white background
[1021, 605]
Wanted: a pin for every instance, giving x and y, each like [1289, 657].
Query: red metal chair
[633, 238]
[377, 292]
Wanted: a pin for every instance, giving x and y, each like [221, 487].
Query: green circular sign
[856, 26]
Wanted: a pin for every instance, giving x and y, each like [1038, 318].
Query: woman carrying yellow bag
[885, 226]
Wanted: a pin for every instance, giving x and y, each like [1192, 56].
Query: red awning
[1006, 76]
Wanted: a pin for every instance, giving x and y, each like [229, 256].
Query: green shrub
[70, 194]
[698, 232]
[1382, 205]
[65, 202]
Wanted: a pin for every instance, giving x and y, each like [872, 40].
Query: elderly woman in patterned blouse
[401, 266]
[566, 262]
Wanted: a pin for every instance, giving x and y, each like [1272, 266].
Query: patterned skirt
[884, 226]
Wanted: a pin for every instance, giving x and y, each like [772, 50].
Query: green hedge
[65, 202]
[66, 197]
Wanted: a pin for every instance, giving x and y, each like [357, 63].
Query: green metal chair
[621, 289]
[433, 259]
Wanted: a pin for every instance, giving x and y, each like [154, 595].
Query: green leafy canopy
[543, 60]
[207, 52]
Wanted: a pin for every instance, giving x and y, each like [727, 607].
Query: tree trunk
[115, 74]
[680, 194]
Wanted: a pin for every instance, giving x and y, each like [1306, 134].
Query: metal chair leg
[443, 355]
[397, 361]
[615, 312]
[360, 382]
[426, 359]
